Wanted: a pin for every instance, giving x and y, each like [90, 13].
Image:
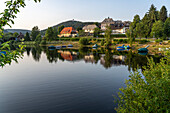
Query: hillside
[71, 23]
[23, 31]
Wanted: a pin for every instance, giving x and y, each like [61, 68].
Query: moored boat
[64, 46]
[70, 45]
[95, 46]
[58, 47]
[51, 47]
[143, 49]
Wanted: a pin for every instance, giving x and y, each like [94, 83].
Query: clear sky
[51, 12]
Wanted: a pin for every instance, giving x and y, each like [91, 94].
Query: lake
[80, 80]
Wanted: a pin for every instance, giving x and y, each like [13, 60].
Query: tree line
[154, 24]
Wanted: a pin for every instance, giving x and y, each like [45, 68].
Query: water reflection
[106, 57]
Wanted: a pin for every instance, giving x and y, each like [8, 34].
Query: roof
[90, 27]
[67, 30]
[108, 21]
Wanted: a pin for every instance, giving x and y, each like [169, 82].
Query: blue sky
[51, 12]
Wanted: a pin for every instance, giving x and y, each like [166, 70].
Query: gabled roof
[108, 21]
[90, 27]
[67, 30]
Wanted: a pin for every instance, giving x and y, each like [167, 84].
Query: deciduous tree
[157, 29]
[35, 31]
[167, 27]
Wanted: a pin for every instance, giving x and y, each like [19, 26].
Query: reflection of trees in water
[36, 53]
[108, 58]
[52, 55]
[28, 50]
[135, 61]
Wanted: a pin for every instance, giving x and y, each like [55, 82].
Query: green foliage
[107, 36]
[74, 39]
[27, 37]
[114, 35]
[157, 29]
[163, 14]
[38, 38]
[158, 40]
[7, 17]
[55, 33]
[15, 34]
[43, 42]
[81, 33]
[149, 94]
[146, 26]
[84, 41]
[167, 27]
[102, 43]
[35, 31]
[143, 41]
[96, 32]
[60, 28]
[50, 34]
[79, 28]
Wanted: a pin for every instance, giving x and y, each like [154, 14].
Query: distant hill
[71, 23]
[23, 31]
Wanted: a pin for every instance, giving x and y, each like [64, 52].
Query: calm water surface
[69, 81]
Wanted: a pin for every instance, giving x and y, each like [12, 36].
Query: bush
[74, 39]
[84, 41]
[143, 41]
[147, 93]
[158, 40]
[120, 40]
[125, 41]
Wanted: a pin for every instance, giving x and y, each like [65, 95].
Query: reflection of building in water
[116, 60]
[67, 55]
[89, 59]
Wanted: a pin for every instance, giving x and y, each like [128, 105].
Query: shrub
[147, 93]
[125, 41]
[84, 41]
[158, 40]
[74, 39]
[94, 39]
[120, 40]
[143, 41]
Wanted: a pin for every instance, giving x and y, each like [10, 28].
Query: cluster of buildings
[118, 27]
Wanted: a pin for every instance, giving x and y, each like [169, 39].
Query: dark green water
[66, 81]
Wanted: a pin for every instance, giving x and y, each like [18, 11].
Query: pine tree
[27, 37]
[163, 14]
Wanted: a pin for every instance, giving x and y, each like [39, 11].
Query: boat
[123, 47]
[70, 45]
[95, 46]
[143, 49]
[58, 47]
[128, 47]
[142, 53]
[51, 47]
[64, 46]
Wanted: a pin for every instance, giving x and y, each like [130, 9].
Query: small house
[68, 32]
[89, 28]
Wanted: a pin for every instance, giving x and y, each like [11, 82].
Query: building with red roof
[68, 32]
